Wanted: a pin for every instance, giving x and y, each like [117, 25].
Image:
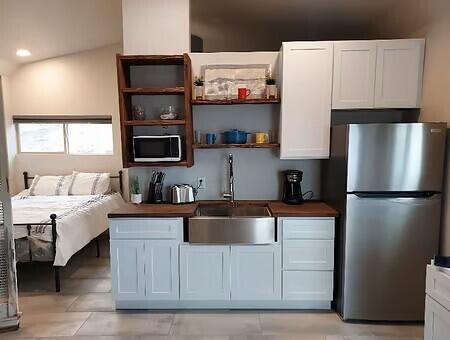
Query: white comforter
[79, 219]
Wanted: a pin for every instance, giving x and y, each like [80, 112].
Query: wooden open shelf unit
[234, 101]
[126, 92]
[242, 146]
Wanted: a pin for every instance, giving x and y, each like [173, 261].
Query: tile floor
[84, 311]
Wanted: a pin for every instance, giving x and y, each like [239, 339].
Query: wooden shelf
[131, 60]
[243, 146]
[157, 164]
[234, 101]
[155, 122]
[179, 90]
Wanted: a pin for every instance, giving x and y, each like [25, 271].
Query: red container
[243, 93]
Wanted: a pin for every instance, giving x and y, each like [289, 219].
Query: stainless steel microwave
[157, 148]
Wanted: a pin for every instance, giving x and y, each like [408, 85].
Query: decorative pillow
[86, 183]
[50, 185]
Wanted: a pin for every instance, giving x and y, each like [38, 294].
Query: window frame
[65, 121]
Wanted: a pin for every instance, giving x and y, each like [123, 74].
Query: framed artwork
[223, 81]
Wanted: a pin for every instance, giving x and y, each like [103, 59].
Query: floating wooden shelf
[135, 60]
[157, 164]
[234, 101]
[155, 122]
[154, 90]
[244, 146]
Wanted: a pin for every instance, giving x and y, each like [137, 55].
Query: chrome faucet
[230, 194]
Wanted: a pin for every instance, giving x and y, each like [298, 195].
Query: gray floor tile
[369, 337]
[415, 331]
[321, 324]
[37, 304]
[93, 302]
[216, 324]
[127, 324]
[48, 325]
[75, 286]
[92, 272]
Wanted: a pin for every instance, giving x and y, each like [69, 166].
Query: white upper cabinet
[307, 69]
[354, 74]
[378, 74]
[399, 73]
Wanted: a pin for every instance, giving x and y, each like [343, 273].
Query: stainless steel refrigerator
[386, 182]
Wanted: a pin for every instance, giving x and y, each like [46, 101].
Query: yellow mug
[261, 137]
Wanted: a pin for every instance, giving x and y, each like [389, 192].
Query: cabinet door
[256, 272]
[127, 269]
[161, 270]
[354, 74]
[399, 73]
[306, 100]
[204, 272]
[308, 285]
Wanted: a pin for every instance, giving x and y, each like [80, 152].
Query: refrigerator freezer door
[389, 242]
[396, 157]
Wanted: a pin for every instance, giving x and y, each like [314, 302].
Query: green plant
[270, 81]
[134, 186]
[198, 82]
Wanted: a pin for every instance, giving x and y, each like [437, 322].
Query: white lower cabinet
[127, 269]
[154, 269]
[437, 304]
[308, 285]
[256, 272]
[204, 272]
[308, 258]
[161, 270]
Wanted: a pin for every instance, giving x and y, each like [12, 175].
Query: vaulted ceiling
[49, 28]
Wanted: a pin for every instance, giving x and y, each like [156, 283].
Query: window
[71, 137]
[41, 137]
[89, 139]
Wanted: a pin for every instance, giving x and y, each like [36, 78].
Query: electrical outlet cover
[201, 182]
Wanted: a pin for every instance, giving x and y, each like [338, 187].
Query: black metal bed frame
[52, 223]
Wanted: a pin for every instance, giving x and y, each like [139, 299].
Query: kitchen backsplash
[257, 174]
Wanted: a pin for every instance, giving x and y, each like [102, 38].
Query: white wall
[78, 84]
[429, 19]
[156, 26]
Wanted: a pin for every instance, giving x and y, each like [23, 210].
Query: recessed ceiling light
[22, 52]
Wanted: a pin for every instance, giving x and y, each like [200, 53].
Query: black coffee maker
[292, 187]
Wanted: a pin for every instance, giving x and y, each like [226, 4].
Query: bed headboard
[27, 178]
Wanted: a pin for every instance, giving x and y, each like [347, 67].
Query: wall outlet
[201, 182]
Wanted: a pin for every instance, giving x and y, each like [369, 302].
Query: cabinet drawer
[320, 229]
[438, 285]
[308, 285]
[437, 320]
[308, 254]
[146, 228]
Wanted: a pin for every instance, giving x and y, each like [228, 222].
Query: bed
[53, 228]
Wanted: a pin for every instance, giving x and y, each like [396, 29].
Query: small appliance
[157, 148]
[292, 188]
[182, 193]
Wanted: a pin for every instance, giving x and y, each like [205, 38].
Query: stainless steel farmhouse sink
[227, 224]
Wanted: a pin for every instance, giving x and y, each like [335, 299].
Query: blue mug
[210, 138]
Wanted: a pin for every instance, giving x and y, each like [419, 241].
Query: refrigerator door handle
[397, 195]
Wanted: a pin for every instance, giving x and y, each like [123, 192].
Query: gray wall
[257, 171]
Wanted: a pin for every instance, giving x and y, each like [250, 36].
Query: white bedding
[79, 219]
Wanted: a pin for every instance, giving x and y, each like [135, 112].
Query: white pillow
[50, 185]
[86, 183]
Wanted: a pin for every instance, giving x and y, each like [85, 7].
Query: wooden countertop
[278, 209]
[307, 209]
[155, 210]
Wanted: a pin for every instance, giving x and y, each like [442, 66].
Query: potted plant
[198, 88]
[271, 88]
[136, 196]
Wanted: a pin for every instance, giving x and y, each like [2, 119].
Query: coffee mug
[243, 92]
[210, 138]
[261, 137]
